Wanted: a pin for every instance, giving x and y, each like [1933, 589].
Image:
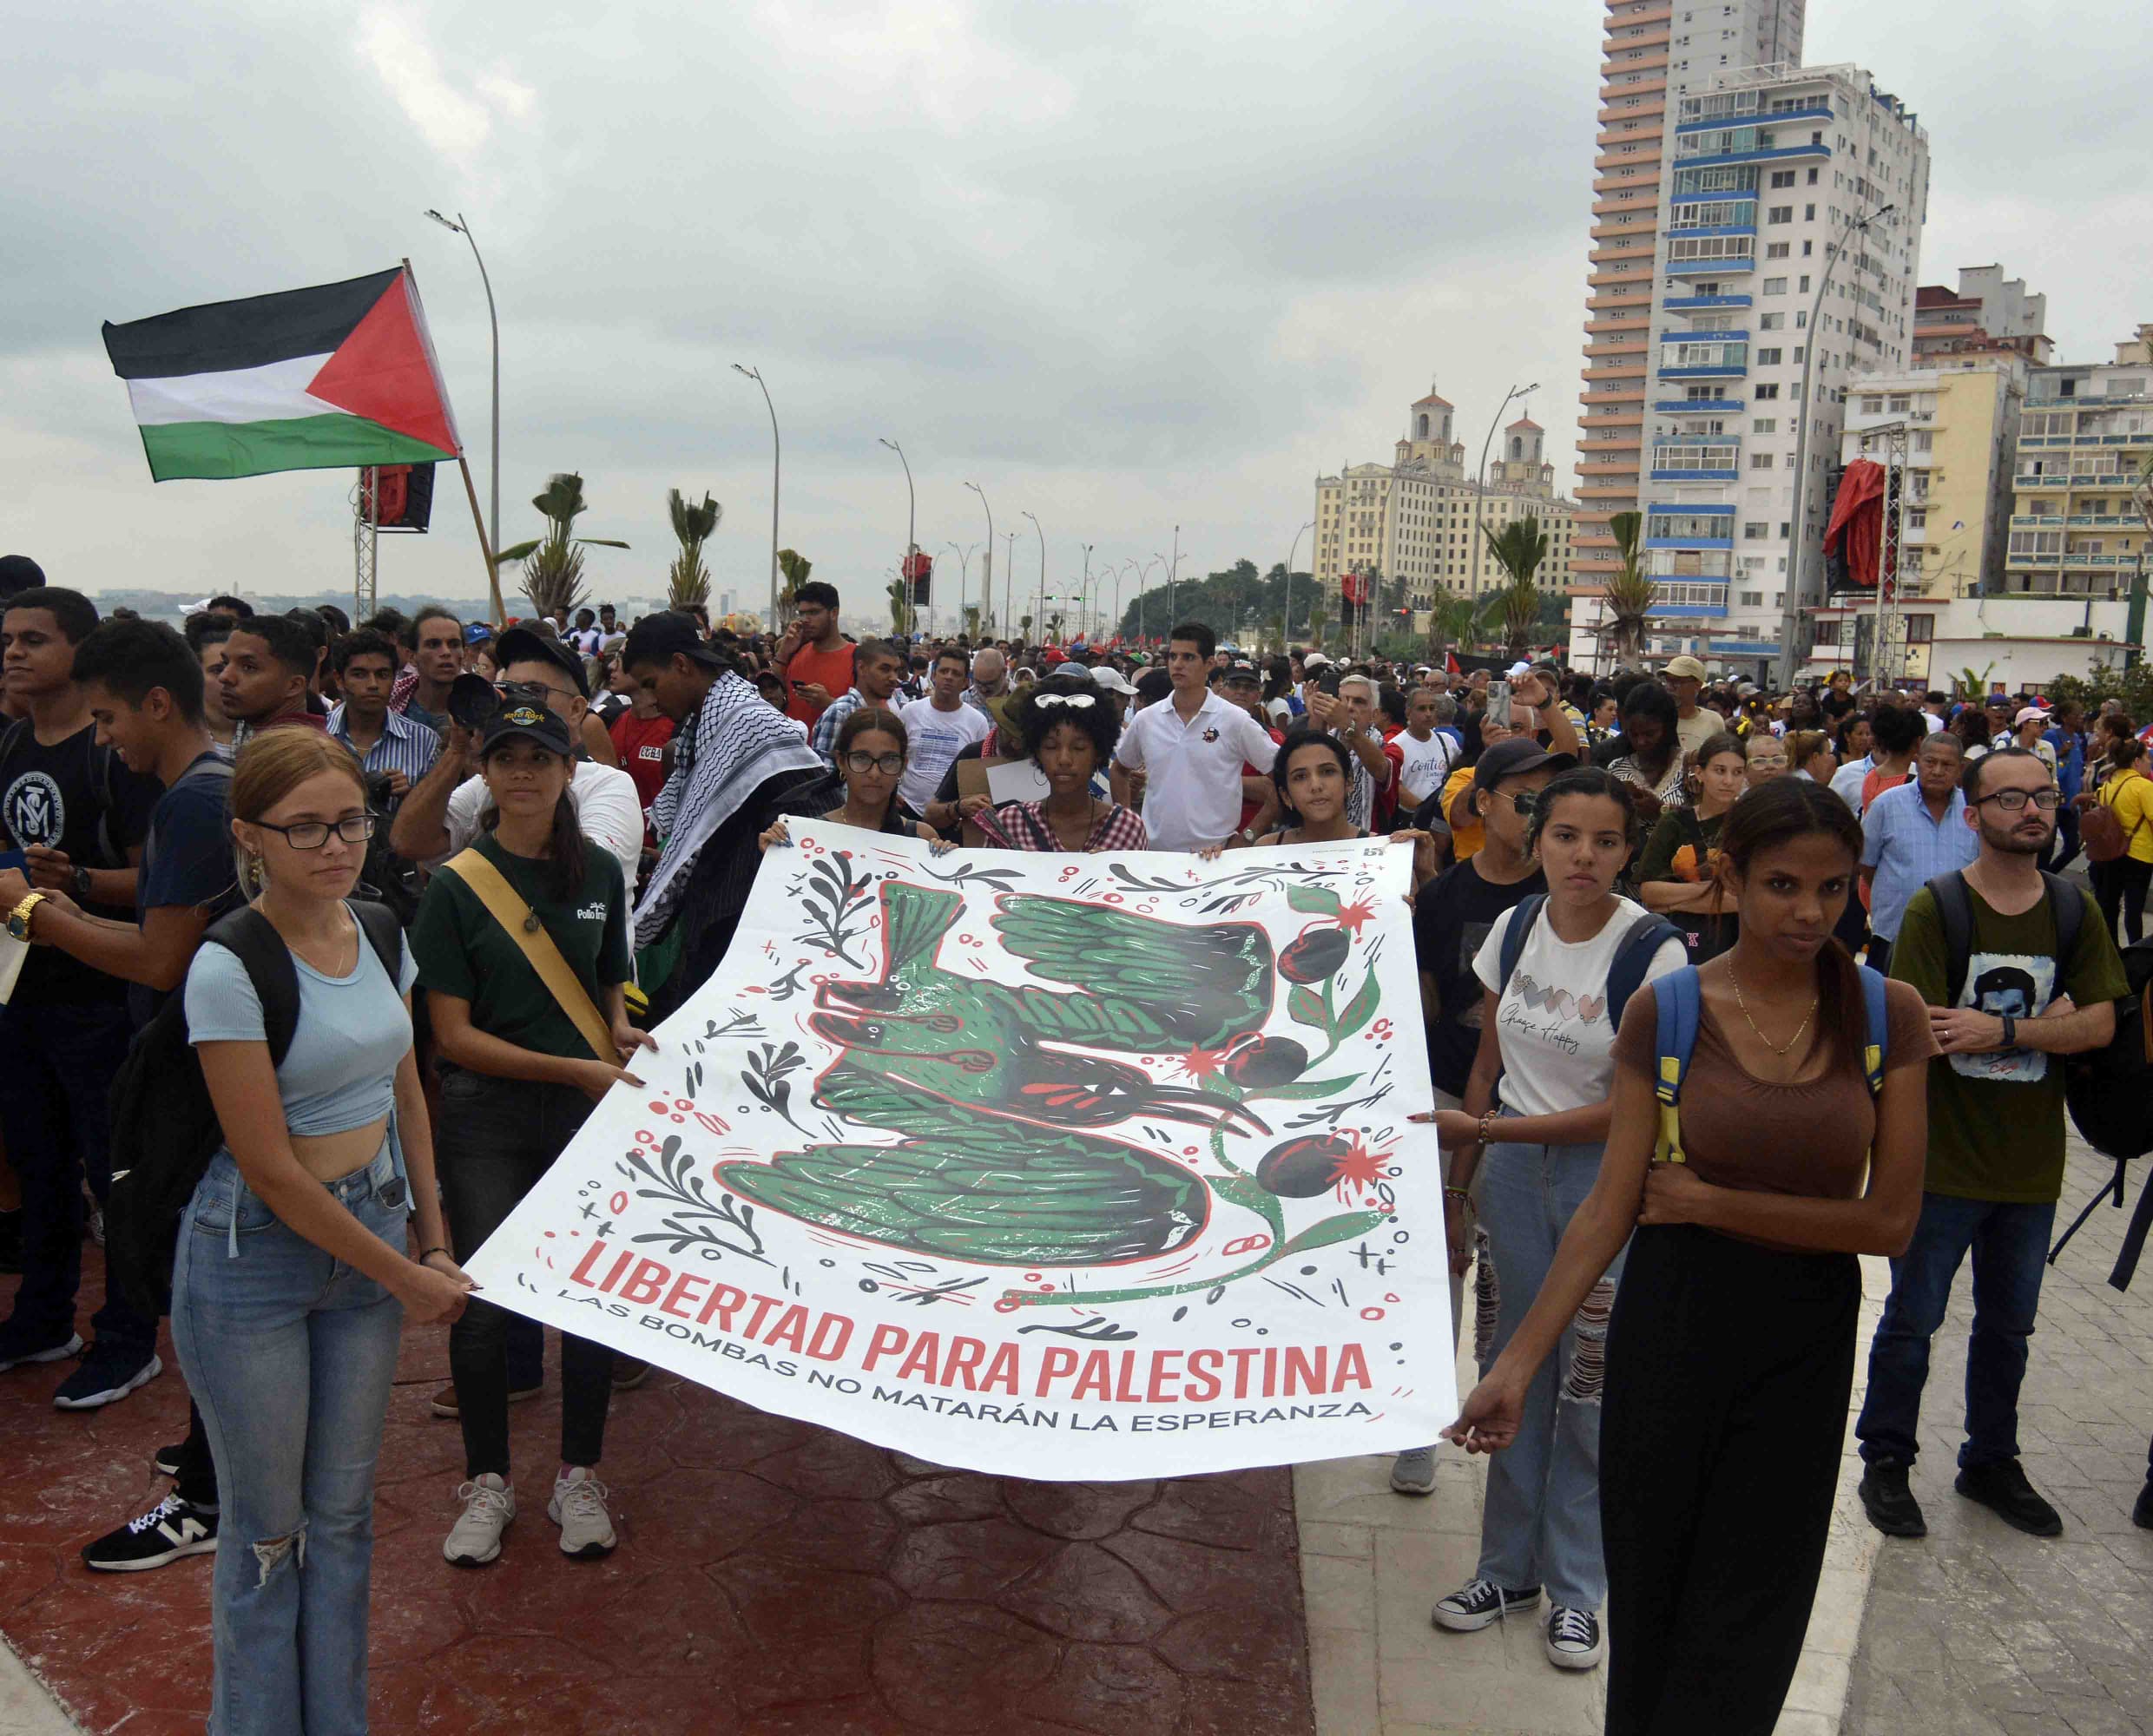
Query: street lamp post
[493, 461]
[912, 543]
[963, 573]
[1173, 572]
[777, 456]
[986, 578]
[1083, 596]
[1039, 620]
[1790, 610]
[1480, 483]
[1009, 566]
[1286, 626]
[1161, 559]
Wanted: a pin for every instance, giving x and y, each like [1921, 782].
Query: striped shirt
[403, 746]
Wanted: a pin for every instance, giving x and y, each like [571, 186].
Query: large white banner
[1059, 1167]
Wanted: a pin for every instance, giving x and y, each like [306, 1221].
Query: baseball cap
[1514, 757]
[524, 712]
[1243, 673]
[1684, 669]
[2029, 714]
[656, 637]
[19, 572]
[477, 631]
[524, 645]
[1315, 660]
[1111, 679]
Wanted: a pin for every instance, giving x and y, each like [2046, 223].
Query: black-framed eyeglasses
[313, 834]
[2014, 801]
[859, 764]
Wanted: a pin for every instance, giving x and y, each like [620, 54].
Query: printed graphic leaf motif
[1320, 901]
[1359, 1010]
[1243, 1192]
[1305, 1007]
[1303, 1090]
[1343, 1227]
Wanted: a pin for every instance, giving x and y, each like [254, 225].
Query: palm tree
[1517, 549]
[553, 566]
[1451, 622]
[1629, 594]
[687, 581]
[795, 569]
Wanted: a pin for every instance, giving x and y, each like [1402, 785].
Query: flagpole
[479, 523]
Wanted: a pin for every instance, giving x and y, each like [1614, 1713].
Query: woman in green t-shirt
[517, 1081]
[1676, 873]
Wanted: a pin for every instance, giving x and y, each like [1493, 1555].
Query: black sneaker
[105, 1376]
[1573, 1639]
[166, 1460]
[171, 1529]
[2002, 1489]
[1480, 1602]
[1889, 1504]
[2141, 1515]
[19, 1345]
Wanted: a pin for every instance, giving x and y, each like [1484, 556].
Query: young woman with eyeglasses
[1069, 727]
[872, 746]
[293, 1280]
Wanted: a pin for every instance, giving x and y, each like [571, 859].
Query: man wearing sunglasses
[2004, 1011]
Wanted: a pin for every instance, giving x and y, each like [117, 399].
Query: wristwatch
[2011, 1031]
[18, 918]
[81, 884]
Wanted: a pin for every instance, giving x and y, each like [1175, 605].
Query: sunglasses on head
[1047, 701]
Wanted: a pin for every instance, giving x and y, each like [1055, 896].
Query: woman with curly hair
[1069, 728]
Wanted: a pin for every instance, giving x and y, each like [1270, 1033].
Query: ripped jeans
[1540, 1523]
[290, 1354]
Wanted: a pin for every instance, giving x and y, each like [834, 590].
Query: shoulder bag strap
[506, 906]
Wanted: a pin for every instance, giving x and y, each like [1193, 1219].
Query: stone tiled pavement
[1978, 1630]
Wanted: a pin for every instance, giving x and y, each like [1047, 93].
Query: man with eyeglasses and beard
[2019, 971]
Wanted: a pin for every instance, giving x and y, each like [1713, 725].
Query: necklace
[1776, 1049]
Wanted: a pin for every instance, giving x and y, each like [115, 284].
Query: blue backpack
[1678, 999]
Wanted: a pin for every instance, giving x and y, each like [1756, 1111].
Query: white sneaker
[475, 1540]
[1412, 1472]
[1573, 1639]
[578, 1508]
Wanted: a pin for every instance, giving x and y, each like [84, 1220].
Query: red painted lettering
[1163, 1375]
[679, 1294]
[724, 1302]
[888, 1340]
[1058, 1362]
[645, 1282]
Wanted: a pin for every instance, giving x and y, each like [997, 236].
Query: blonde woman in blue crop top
[293, 1280]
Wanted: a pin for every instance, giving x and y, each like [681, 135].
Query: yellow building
[2084, 442]
[1413, 520]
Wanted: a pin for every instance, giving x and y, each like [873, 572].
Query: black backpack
[161, 1114]
[2067, 903]
[2110, 1089]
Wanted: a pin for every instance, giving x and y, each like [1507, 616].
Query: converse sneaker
[445, 1402]
[578, 1508]
[1889, 1504]
[171, 1529]
[1480, 1602]
[1573, 1639]
[166, 1460]
[1412, 1472]
[2002, 1489]
[105, 1378]
[475, 1539]
[19, 1345]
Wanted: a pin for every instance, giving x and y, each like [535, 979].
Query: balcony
[1686, 304]
[1714, 460]
[1754, 117]
[1711, 256]
[1700, 406]
[1679, 598]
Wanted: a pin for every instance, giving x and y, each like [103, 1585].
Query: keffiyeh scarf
[730, 747]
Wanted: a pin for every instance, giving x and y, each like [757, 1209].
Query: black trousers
[498, 1137]
[2120, 886]
[1728, 1368]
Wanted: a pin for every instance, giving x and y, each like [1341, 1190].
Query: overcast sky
[1124, 266]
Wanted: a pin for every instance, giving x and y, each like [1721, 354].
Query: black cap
[523, 714]
[528, 645]
[1513, 758]
[1244, 672]
[656, 637]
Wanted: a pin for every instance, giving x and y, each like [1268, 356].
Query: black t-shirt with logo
[54, 795]
[1451, 917]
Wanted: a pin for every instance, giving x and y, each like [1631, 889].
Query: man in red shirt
[640, 736]
[815, 658]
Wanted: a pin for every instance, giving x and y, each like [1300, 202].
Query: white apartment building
[1769, 169]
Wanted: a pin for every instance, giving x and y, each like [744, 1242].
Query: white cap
[2029, 714]
[1315, 660]
[1111, 679]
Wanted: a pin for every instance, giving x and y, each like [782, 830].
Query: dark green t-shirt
[1996, 1120]
[462, 950]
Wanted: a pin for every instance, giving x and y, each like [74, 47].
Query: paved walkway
[1978, 1630]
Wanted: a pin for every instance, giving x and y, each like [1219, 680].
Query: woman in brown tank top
[1730, 1354]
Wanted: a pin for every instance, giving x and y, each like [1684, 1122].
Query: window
[1813, 177]
[1800, 350]
[1760, 461]
[1808, 213]
[1780, 213]
[1771, 322]
[1752, 531]
[1805, 278]
[1776, 250]
[1753, 599]
[1765, 425]
[1775, 286]
[1768, 391]
[1871, 406]
[1767, 358]
[1899, 402]
[1784, 177]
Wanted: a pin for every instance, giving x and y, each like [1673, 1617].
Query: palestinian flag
[339, 376]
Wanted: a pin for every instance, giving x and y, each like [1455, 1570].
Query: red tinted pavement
[773, 1579]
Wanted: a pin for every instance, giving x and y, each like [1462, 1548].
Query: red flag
[1451, 665]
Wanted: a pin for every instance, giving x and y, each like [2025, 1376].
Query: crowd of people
[413, 927]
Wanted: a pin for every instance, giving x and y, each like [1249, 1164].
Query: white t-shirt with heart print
[1552, 1021]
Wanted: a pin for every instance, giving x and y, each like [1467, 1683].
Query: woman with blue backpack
[1770, 1123]
[1555, 973]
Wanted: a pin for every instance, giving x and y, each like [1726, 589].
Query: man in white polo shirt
[1190, 750]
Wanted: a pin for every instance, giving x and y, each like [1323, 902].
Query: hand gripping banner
[1079, 1168]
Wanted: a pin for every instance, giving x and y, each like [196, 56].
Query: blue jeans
[290, 1354]
[2010, 1245]
[1540, 1523]
[56, 1114]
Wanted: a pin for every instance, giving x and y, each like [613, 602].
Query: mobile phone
[1498, 703]
[1328, 684]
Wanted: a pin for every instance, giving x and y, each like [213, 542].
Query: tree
[553, 566]
[687, 581]
[795, 571]
[1225, 601]
[900, 605]
[1630, 593]
[1517, 549]
[1451, 622]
